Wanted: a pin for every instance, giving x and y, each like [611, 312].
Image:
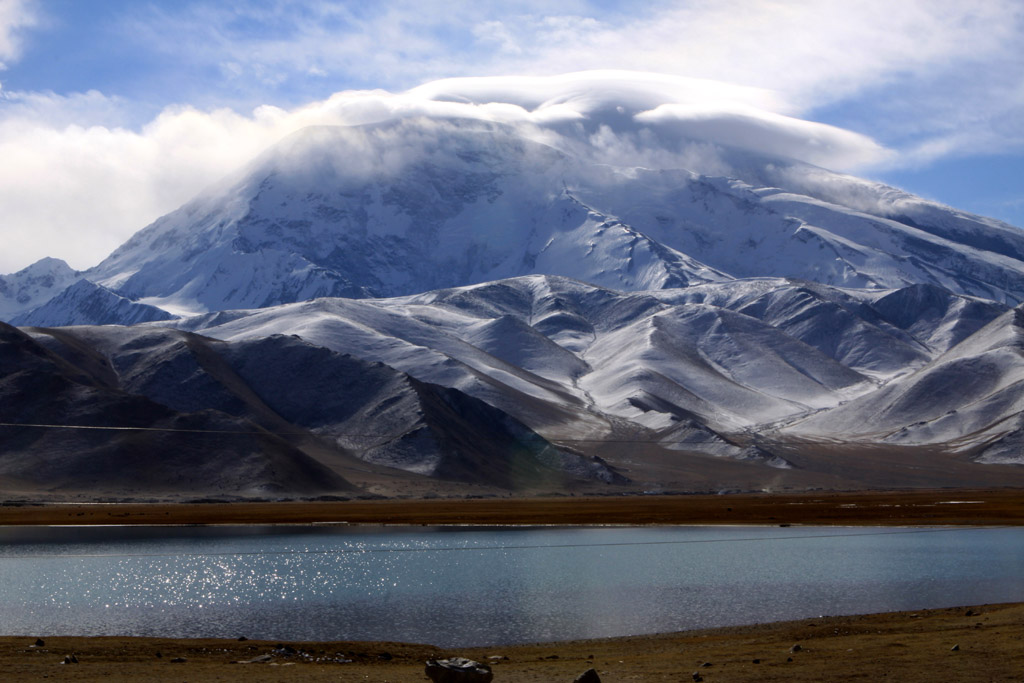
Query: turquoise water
[471, 586]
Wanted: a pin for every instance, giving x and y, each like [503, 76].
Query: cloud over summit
[98, 142]
[667, 111]
[109, 181]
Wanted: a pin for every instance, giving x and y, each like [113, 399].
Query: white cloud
[47, 109]
[647, 119]
[393, 43]
[816, 51]
[978, 119]
[77, 191]
[14, 15]
[591, 91]
[913, 68]
[771, 134]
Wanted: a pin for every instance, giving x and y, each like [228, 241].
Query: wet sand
[913, 507]
[906, 646]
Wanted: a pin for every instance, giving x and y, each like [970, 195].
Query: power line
[149, 429]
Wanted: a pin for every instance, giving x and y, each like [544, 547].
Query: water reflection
[483, 586]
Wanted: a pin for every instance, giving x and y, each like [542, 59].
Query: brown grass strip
[914, 507]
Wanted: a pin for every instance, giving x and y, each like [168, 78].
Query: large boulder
[458, 670]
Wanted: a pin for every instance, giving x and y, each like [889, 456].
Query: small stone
[588, 676]
[70, 659]
[789, 659]
[40, 642]
[757, 661]
[706, 665]
[969, 613]
[696, 676]
[242, 639]
[795, 648]
[955, 648]
[178, 660]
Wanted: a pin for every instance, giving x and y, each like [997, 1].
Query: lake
[481, 586]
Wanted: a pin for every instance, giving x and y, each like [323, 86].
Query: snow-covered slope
[331, 411]
[86, 303]
[739, 358]
[971, 395]
[69, 402]
[548, 381]
[340, 212]
[33, 286]
[413, 205]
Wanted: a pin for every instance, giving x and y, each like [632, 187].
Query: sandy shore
[913, 507]
[977, 643]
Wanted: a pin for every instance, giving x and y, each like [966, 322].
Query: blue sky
[113, 112]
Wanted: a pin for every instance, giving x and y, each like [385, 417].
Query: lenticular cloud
[623, 117]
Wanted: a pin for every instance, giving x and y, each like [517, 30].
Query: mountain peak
[34, 285]
[418, 204]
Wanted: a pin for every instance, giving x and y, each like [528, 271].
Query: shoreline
[957, 643]
[940, 507]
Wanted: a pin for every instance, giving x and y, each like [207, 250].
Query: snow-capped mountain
[33, 286]
[403, 207]
[448, 298]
